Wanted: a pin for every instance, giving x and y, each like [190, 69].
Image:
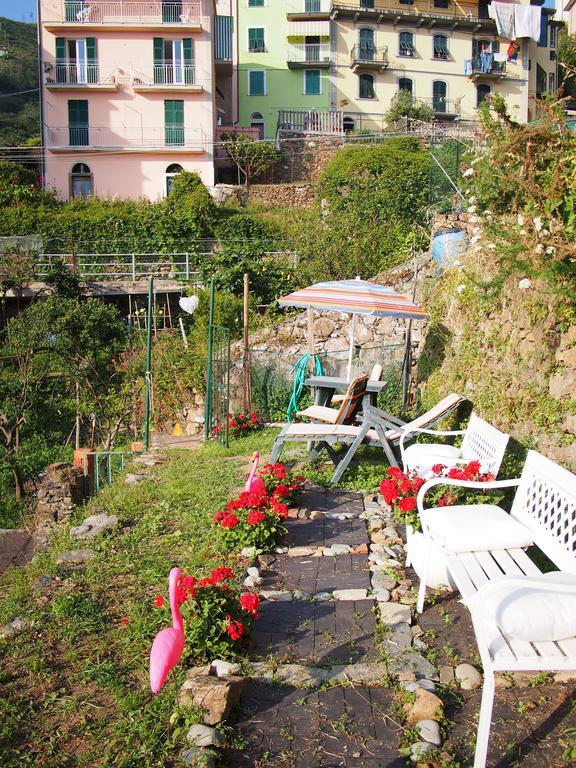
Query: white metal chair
[482, 442]
[544, 513]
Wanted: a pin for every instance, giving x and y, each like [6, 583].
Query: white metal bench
[482, 442]
[545, 504]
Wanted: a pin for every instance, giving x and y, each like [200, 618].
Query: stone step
[317, 574]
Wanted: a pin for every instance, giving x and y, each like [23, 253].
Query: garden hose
[299, 368]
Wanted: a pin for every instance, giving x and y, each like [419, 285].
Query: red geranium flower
[437, 468]
[407, 504]
[222, 574]
[159, 601]
[229, 520]
[250, 602]
[282, 490]
[255, 517]
[235, 629]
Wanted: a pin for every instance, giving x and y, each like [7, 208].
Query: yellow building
[447, 54]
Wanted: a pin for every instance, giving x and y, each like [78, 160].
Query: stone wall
[303, 157]
[288, 195]
[60, 488]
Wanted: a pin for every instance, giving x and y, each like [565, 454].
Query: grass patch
[74, 687]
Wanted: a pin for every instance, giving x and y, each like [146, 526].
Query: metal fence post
[133, 267]
[187, 266]
[148, 366]
[208, 408]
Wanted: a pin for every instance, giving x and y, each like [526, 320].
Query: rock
[316, 515]
[564, 677]
[293, 514]
[381, 580]
[252, 581]
[361, 549]
[216, 696]
[393, 613]
[248, 552]
[198, 757]
[339, 515]
[381, 595]
[350, 594]
[204, 736]
[397, 639]
[300, 676]
[301, 551]
[253, 571]
[562, 384]
[339, 549]
[372, 506]
[378, 537]
[468, 677]
[277, 550]
[202, 671]
[503, 681]
[276, 595]
[362, 674]
[446, 674]
[303, 514]
[412, 685]
[222, 668]
[74, 556]
[419, 644]
[44, 581]
[299, 595]
[429, 731]
[13, 627]
[93, 526]
[131, 479]
[321, 597]
[426, 706]
[419, 750]
[262, 671]
[417, 665]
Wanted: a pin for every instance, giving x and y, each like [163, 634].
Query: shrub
[403, 104]
[240, 424]
[281, 483]
[252, 520]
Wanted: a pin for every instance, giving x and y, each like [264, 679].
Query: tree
[567, 54]
[250, 156]
[404, 105]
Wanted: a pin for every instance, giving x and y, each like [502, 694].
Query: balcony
[310, 121]
[77, 76]
[308, 10]
[73, 15]
[484, 67]
[308, 55]
[439, 14]
[443, 108]
[167, 76]
[224, 36]
[129, 139]
[369, 58]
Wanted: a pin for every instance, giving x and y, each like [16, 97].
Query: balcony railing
[369, 57]
[76, 73]
[466, 11]
[173, 73]
[484, 64]
[308, 7]
[120, 12]
[310, 121]
[309, 53]
[126, 137]
[441, 105]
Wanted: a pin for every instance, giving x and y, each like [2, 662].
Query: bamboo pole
[246, 360]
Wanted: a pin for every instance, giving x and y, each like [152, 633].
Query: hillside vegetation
[19, 114]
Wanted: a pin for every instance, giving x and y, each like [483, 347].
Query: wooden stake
[246, 362]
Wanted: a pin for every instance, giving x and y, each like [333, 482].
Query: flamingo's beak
[255, 455]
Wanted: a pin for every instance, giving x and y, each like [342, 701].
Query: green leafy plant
[282, 483]
[252, 520]
[240, 424]
[250, 156]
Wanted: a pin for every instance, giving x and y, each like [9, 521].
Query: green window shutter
[174, 121]
[78, 122]
[312, 81]
[158, 50]
[91, 49]
[256, 39]
[188, 50]
[256, 83]
[60, 50]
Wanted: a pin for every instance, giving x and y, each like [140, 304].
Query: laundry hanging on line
[514, 20]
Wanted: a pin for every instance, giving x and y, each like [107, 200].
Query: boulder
[216, 696]
[203, 736]
[75, 556]
[468, 677]
[429, 731]
[93, 526]
[426, 706]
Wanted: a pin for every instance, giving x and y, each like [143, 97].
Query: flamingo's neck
[177, 621]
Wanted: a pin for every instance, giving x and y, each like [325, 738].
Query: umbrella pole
[351, 350]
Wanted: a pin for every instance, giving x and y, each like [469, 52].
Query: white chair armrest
[528, 582]
[410, 433]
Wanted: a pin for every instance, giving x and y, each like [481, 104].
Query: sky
[19, 10]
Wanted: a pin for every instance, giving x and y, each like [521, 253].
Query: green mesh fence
[272, 377]
[446, 160]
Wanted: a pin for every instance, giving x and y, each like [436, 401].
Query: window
[440, 3]
[406, 2]
[348, 124]
[255, 3]
[543, 41]
[257, 121]
[256, 43]
[439, 96]
[551, 82]
[367, 87]
[173, 61]
[174, 122]
[406, 84]
[78, 122]
[482, 91]
[406, 44]
[440, 47]
[171, 172]
[76, 60]
[81, 182]
[366, 44]
[366, 3]
[312, 48]
[541, 80]
[553, 35]
[312, 82]
[486, 46]
[257, 82]
[312, 6]
[172, 11]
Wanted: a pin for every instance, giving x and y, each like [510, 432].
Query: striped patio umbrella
[357, 297]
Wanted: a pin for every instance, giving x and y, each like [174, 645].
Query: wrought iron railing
[484, 64]
[121, 11]
[123, 136]
[439, 8]
[362, 54]
[174, 73]
[73, 73]
[312, 53]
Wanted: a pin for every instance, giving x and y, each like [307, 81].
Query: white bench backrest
[546, 503]
[484, 443]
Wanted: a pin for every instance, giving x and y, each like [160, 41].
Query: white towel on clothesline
[500, 57]
[527, 21]
[503, 15]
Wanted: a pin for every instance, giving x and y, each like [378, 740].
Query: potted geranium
[254, 519]
[282, 483]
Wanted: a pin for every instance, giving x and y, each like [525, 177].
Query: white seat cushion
[468, 527]
[530, 612]
[321, 413]
[427, 454]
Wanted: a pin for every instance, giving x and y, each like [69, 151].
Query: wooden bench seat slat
[489, 565]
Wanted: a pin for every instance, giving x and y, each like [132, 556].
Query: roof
[569, 5]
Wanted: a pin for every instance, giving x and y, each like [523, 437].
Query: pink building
[570, 16]
[132, 92]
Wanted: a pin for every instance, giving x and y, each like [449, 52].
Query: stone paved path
[284, 727]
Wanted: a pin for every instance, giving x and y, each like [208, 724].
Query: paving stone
[322, 574]
[75, 556]
[415, 664]
[394, 613]
[363, 674]
[397, 639]
[350, 594]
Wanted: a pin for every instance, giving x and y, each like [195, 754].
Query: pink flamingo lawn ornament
[169, 643]
[254, 483]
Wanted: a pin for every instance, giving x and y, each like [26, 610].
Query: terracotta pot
[137, 446]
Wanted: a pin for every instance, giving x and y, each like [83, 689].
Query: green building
[283, 61]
